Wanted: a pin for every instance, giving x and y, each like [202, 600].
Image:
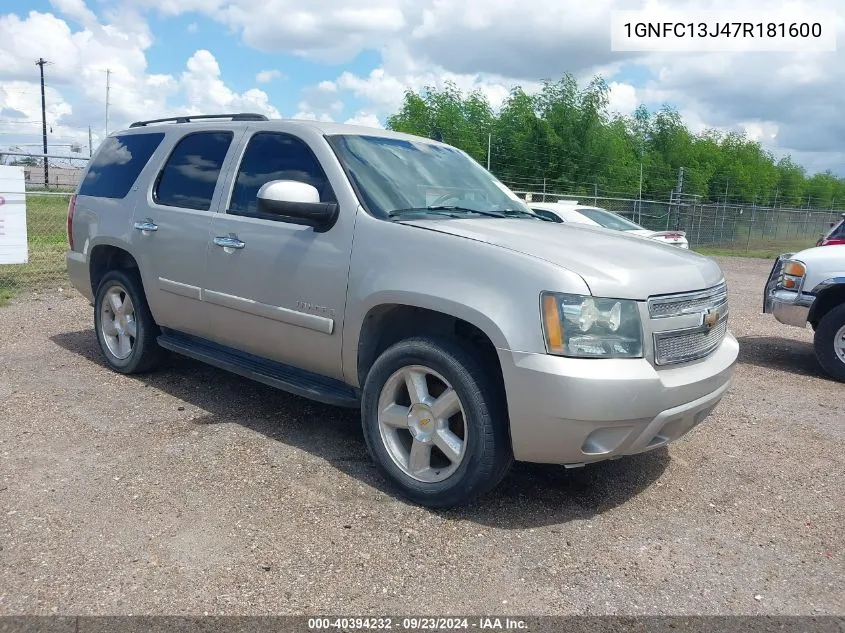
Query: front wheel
[434, 423]
[829, 341]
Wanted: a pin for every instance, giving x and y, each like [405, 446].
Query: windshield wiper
[445, 210]
[519, 212]
[492, 214]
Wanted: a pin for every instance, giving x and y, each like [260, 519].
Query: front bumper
[576, 411]
[790, 307]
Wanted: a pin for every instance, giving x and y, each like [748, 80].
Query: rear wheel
[829, 342]
[434, 424]
[125, 327]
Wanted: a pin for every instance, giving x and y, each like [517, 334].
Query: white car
[568, 211]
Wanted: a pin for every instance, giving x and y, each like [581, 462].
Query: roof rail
[241, 116]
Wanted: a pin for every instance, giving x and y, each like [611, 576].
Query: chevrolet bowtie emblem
[711, 318]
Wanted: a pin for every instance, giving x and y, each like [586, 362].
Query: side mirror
[297, 202]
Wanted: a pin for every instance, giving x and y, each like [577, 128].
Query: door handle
[229, 241]
[146, 226]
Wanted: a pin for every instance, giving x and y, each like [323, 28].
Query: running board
[296, 381]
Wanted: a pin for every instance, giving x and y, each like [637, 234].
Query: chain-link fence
[46, 220]
[722, 228]
[728, 228]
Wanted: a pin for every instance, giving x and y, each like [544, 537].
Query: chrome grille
[688, 326]
[687, 303]
[687, 345]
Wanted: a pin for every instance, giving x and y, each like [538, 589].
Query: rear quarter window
[117, 164]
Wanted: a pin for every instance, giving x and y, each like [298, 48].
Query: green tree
[563, 138]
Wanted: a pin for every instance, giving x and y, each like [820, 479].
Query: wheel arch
[387, 323]
[829, 294]
[106, 256]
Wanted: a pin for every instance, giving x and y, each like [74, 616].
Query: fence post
[751, 224]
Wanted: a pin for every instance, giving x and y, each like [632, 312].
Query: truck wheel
[125, 327]
[434, 424]
[829, 341]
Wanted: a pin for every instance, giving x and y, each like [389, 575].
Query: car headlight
[582, 326]
[792, 274]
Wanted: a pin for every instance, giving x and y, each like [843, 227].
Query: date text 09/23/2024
[417, 624]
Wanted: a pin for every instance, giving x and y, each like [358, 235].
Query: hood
[610, 262]
[831, 257]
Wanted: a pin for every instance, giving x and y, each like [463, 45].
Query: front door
[277, 289]
[171, 229]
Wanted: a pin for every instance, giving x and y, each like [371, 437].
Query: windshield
[396, 177]
[608, 219]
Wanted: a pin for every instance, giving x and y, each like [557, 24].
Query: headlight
[582, 326]
[792, 274]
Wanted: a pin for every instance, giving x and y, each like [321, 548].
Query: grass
[46, 228]
[761, 250]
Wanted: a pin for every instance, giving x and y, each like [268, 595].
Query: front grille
[688, 345]
[687, 303]
[697, 339]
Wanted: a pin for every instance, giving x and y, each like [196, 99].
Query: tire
[830, 337]
[143, 353]
[480, 423]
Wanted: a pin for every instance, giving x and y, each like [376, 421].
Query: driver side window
[275, 156]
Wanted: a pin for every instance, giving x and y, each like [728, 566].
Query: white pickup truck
[809, 287]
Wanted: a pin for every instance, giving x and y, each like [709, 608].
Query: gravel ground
[194, 491]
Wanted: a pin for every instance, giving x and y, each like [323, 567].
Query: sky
[352, 60]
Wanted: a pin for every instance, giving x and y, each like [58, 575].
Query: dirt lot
[194, 491]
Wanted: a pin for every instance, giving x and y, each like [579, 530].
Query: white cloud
[367, 119]
[266, 76]
[76, 77]
[207, 92]
[622, 99]
[790, 101]
[312, 116]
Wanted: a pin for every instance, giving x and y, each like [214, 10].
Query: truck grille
[687, 303]
[690, 343]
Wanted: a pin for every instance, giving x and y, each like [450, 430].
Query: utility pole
[40, 63]
[90, 143]
[108, 86]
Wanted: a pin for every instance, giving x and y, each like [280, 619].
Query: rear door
[172, 228]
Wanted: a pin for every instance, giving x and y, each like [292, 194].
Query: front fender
[495, 289]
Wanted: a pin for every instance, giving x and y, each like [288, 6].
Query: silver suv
[366, 268]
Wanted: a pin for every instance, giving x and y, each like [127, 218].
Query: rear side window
[275, 156]
[838, 232]
[190, 174]
[117, 164]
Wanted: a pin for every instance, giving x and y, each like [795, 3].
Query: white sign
[13, 246]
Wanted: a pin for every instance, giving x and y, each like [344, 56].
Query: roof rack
[241, 116]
